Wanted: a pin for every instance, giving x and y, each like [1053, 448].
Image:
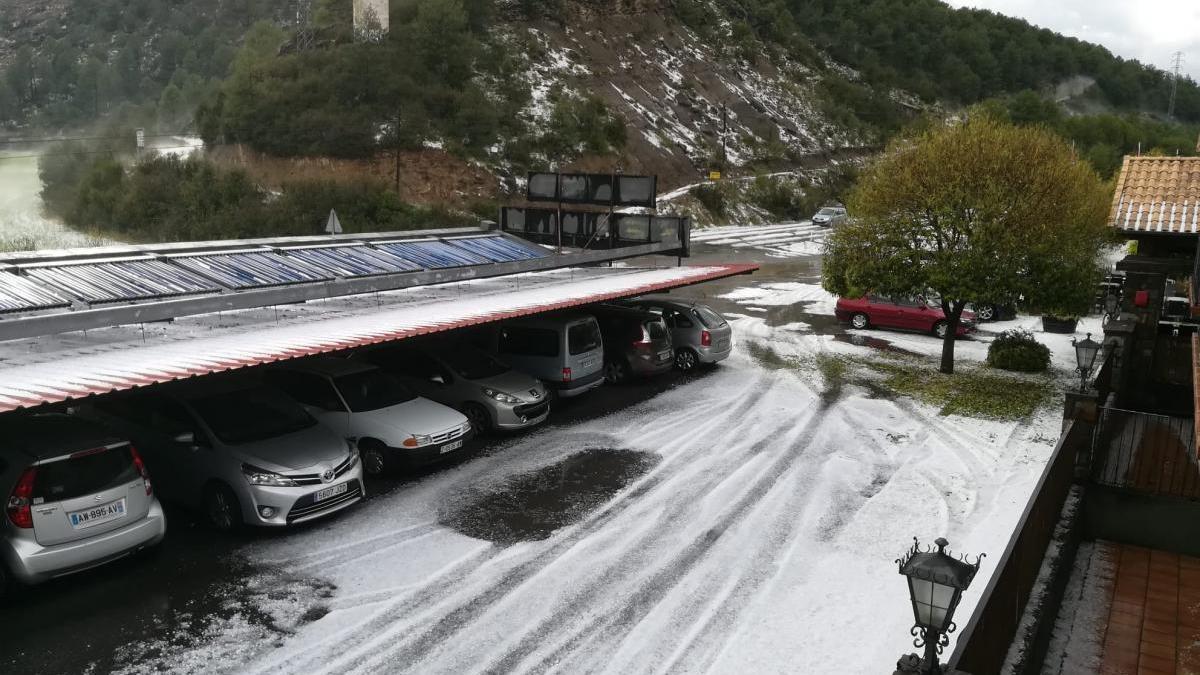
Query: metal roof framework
[490, 254]
[47, 370]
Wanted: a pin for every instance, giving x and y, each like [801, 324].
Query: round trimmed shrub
[1017, 350]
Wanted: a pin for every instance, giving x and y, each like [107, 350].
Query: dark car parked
[636, 342]
[906, 313]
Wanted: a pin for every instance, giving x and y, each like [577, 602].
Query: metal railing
[984, 641]
[1145, 452]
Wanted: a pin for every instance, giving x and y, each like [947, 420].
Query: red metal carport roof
[64, 368]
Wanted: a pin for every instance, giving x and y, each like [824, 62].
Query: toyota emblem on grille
[327, 476]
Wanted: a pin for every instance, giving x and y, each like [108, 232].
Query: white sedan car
[391, 425]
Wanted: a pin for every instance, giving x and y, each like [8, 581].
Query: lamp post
[1085, 357]
[1111, 304]
[936, 581]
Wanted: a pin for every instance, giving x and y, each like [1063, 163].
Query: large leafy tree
[978, 211]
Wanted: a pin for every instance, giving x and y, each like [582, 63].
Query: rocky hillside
[685, 104]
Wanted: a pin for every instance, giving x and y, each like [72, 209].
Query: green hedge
[1017, 350]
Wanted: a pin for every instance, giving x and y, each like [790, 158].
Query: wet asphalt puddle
[532, 506]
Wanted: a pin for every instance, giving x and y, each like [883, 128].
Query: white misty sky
[1147, 30]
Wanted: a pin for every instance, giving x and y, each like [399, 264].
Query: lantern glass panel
[922, 593]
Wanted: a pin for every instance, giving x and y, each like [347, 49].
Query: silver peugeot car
[77, 496]
[489, 392]
[700, 334]
[238, 452]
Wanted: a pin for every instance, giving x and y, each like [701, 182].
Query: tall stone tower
[371, 18]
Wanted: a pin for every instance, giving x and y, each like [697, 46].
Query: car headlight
[352, 447]
[500, 396]
[416, 441]
[257, 476]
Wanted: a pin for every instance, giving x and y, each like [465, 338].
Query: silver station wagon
[77, 496]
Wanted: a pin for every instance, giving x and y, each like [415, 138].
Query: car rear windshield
[251, 415]
[657, 329]
[471, 364]
[84, 474]
[372, 390]
[583, 337]
[709, 318]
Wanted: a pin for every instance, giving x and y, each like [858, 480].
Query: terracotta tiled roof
[1158, 194]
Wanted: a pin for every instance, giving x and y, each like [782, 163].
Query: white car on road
[391, 425]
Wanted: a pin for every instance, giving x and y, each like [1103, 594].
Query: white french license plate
[451, 447]
[106, 513]
[331, 492]
[663, 356]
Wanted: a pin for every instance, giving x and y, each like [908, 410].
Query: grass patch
[971, 392]
[769, 358]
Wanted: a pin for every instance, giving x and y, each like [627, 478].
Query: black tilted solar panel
[354, 260]
[497, 249]
[18, 294]
[252, 269]
[432, 254]
[122, 280]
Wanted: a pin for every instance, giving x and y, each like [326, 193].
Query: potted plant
[1069, 297]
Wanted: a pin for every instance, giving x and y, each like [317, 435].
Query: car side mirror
[437, 379]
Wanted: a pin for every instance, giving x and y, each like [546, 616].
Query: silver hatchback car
[77, 497]
[700, 334]
[239, 453]
[490, 393]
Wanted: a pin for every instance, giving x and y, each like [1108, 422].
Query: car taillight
[566, 374]
[643, 338]
[22, 496]
[705, 339]
[141, 469]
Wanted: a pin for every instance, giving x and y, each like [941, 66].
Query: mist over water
[23, 225]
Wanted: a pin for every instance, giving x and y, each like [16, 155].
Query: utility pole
[1176, 63]
[397, 133]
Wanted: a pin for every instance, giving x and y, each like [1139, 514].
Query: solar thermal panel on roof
[352, 261]
[253, 269]
[432, 254]
[122, 280]
[497, 249]
[18, 294]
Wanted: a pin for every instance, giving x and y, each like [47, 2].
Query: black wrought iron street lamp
[1085, 357]
[936, 581]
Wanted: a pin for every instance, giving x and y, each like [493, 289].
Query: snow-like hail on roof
[1158, 194]
[60, 369]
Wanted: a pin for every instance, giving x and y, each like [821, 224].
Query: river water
[23, 225]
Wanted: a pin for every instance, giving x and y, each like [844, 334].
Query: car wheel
[860, 321]
[374, 458]
[615, 372]
[986, 313]
[686, 360]
[940, 328]
[222, 509]
[478, 416]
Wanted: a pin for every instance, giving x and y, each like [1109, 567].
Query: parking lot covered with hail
[744, 518]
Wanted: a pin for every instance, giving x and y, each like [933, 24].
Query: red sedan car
[905, 313]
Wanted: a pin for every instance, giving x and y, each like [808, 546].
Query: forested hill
[513, 84]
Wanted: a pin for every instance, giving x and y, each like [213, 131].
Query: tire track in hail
[365, 634]
[701, 647]
[657, 585]
[453, 619]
